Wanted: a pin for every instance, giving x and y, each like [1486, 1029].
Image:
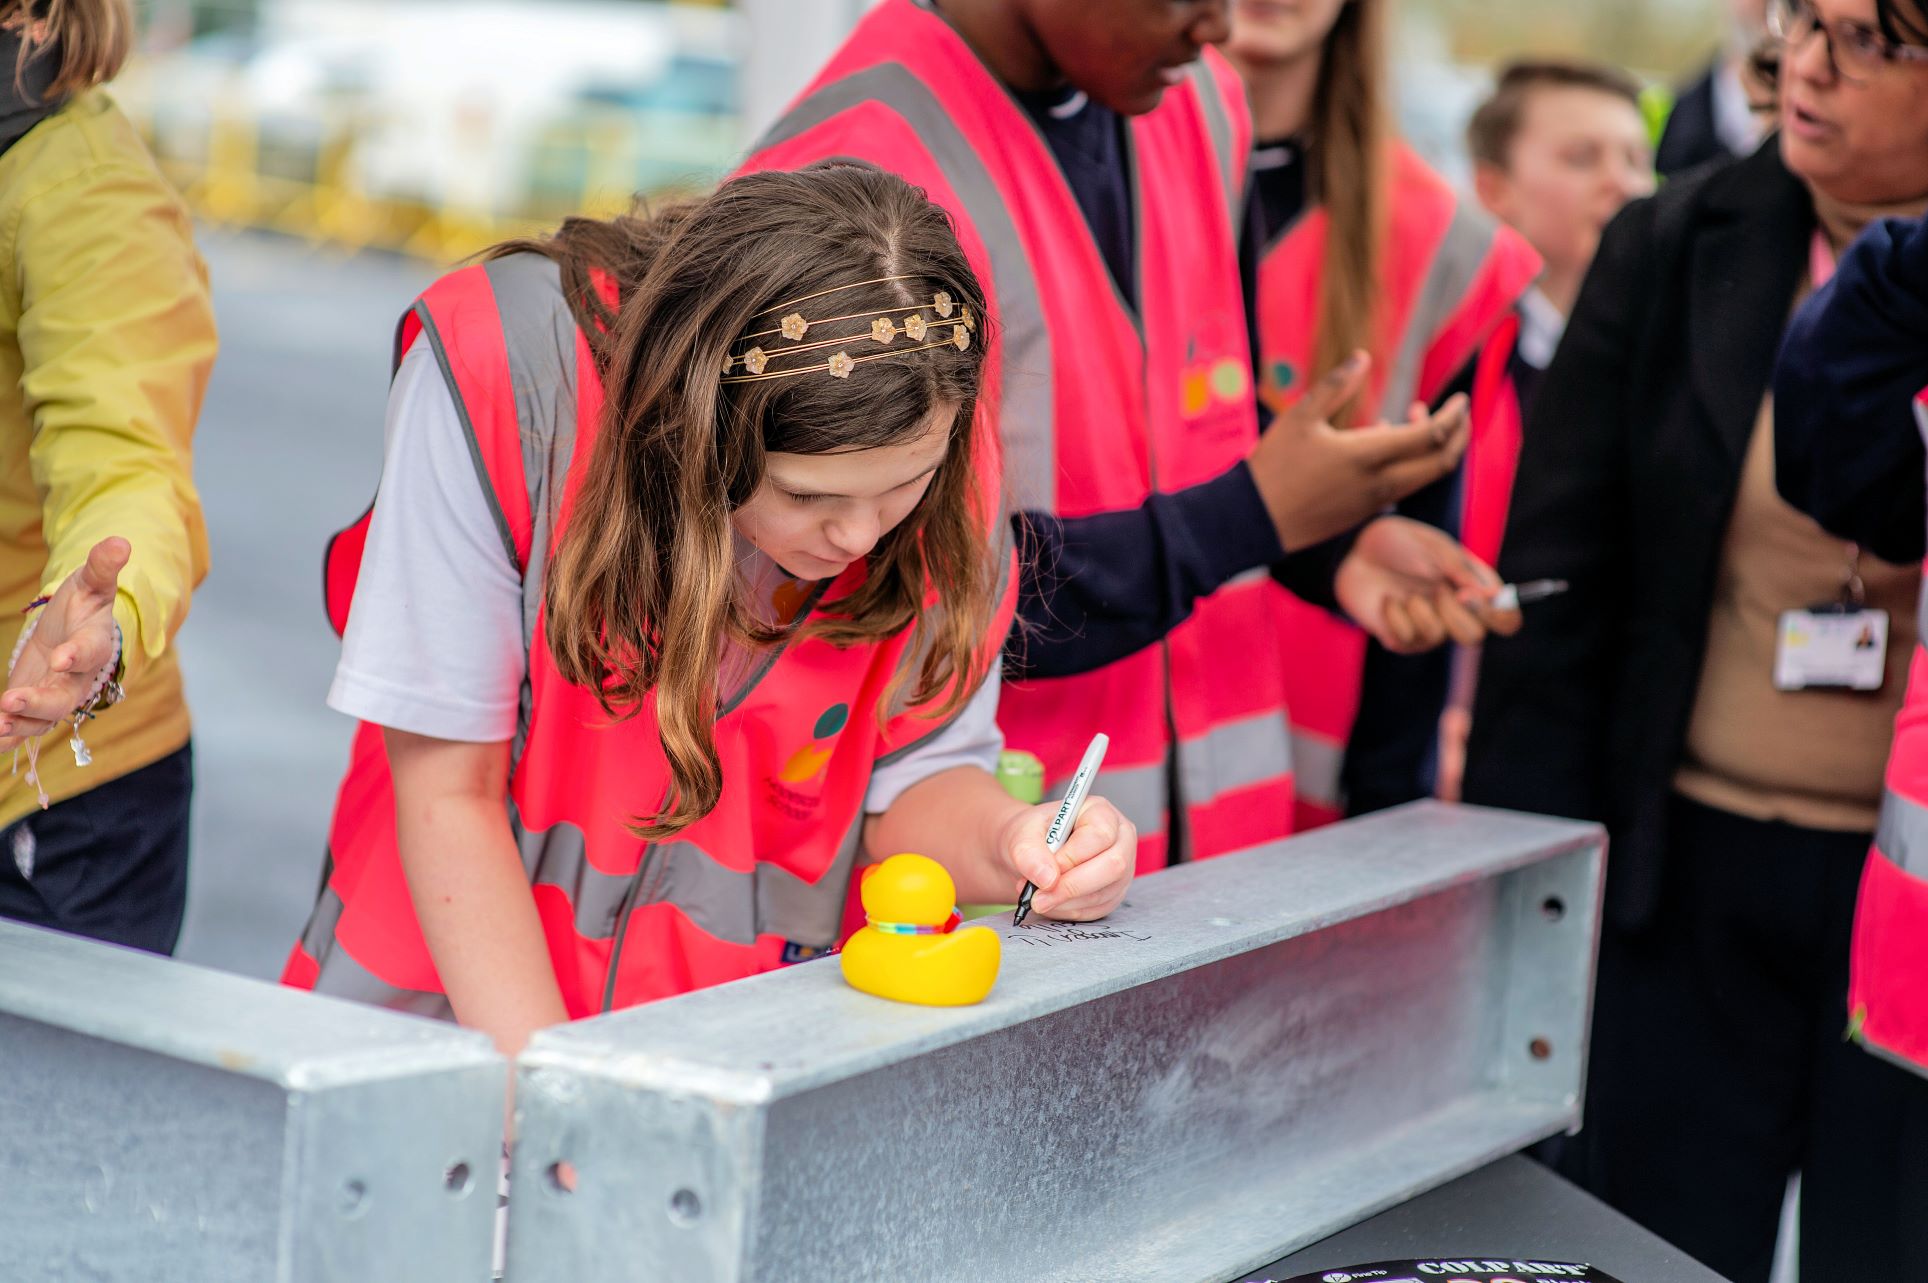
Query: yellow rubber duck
[914, 950]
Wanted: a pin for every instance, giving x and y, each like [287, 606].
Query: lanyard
[1821, 260]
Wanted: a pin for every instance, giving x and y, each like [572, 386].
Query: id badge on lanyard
[1842, 645]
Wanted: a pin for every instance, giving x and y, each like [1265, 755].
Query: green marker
[1022, 776]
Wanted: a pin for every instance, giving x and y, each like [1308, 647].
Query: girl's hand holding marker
[1087, 849]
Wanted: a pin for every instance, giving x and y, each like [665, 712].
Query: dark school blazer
[1631, 461]
[1690, 138]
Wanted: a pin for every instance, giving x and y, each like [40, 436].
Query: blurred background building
[436, 127]
[341, 152]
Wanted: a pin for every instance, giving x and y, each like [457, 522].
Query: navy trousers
[1721, 1064]
[110, 864]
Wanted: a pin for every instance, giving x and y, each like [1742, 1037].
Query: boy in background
[1557, 150]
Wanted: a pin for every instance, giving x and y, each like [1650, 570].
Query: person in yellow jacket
[106, 340]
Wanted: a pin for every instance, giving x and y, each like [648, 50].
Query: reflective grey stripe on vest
[539, 341]
[1232, 162]
[343, 977]
[318, 936]
[1232, 756]
[539, 338]
[1316, 763]
[340, 976]
[738, 907]
[1469, 238]
[1140, 793]
[1026, 410]
[733, 906]
[433, 334]
[1902, 834]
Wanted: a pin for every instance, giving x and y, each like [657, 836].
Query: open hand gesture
[72, 641]
[1318, 480]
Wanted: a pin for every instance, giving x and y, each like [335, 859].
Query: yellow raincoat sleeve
[117, 338]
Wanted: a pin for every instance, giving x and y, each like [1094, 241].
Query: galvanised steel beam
[169, 1124]
[1251, 1054]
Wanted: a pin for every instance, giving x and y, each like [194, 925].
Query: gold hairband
[883, 329]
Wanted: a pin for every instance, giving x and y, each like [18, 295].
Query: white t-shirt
[1542, 325]
[434, 639]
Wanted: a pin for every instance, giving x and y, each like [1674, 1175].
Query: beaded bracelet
[104, 692]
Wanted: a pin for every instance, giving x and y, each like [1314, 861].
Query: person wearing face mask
[1720, 685]
[1360, 246]
[1097, 173]
[1718, 116]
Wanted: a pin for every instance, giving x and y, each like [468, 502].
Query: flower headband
[884, 329]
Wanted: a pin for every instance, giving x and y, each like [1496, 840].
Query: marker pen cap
[1022, 775]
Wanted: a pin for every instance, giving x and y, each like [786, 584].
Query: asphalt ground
[288, 451]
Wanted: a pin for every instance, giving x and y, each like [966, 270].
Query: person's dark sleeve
[1539, 719]
[1847, 449]
[1096, 589]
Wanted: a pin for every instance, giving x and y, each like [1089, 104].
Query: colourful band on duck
[949, 925]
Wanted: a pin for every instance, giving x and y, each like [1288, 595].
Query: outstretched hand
[1318, 481]
[71, 643]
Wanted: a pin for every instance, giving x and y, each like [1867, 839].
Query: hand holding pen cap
[1079, 854]
[1500, 612]
[1413, 587]
[1514, 596]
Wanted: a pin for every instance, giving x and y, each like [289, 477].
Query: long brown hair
[1349, 176]
[639, 595]
[92, 38]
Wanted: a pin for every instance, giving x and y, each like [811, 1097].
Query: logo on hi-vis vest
[1215, 386]
[805, 766]
[1225, 381]
[788, 600]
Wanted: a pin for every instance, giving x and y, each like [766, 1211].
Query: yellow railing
[232, 176]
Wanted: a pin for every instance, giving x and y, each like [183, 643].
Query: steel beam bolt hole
[560, 1177]
[1553, 907]
[685, 1208]
[457, 1180]
[1540, 1048]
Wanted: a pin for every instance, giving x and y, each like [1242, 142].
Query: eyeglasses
[1856, 50]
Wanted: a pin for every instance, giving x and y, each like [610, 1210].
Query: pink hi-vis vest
[1097, 407]
[1449, 276]
[1493, 450]
[761, 880]
[1888, 969]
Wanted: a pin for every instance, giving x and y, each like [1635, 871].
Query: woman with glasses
[1719, 686]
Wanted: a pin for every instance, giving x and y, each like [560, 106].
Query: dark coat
[1631, 462]
[1847, 449]
[1690, 138]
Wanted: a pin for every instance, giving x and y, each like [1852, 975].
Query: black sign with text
[1451, 1269]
